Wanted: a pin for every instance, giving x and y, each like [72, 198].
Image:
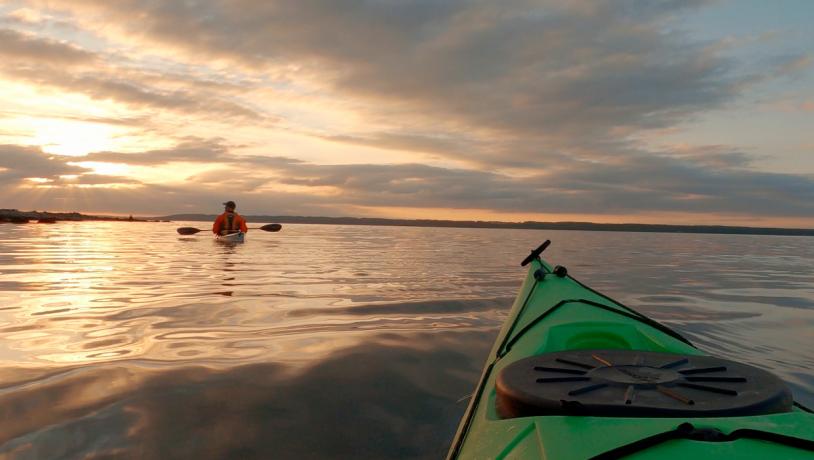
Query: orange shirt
[222, 223]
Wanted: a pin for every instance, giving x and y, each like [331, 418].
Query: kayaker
[229, 221]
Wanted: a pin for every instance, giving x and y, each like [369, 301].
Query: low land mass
[16, 216]
[589, 226]
[21, 217]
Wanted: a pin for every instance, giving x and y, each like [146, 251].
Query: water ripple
[131, 341]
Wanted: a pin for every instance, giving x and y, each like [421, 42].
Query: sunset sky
[671, 111]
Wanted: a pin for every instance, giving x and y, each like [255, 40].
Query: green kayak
[574, 374]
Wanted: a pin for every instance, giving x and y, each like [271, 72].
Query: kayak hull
[555, 314]
[238, 237]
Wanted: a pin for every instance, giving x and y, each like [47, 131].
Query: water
[126, 340]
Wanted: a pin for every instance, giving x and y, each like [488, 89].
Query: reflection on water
[392, 397]
[127, 340]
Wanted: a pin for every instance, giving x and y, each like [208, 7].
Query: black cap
[230, 204]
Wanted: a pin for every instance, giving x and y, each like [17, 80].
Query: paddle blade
[188, 230]
[271, 227]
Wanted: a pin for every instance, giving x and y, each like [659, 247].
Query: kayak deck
[557, 314]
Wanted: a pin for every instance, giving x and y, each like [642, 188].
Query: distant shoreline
[586, 226]
[15, 216]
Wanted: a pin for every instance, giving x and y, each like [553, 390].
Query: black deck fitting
[535, 253]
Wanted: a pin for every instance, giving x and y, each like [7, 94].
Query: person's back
[229, 221]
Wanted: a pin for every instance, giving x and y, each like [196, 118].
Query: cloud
[652, 183]
[542, 102]
[644, 184]
[110, 75]
[509, 85]
[544, 71]
[710, 156]
[791, 65]
[459, 148]
[96, 179]
[711, 180]
[18, 46]
[134, 91]
[25, 15]
[190, 151]
[18, 162]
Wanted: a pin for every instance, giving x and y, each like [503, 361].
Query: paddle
[265, 228]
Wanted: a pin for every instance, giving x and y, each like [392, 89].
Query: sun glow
[73, 138]
[108, 169]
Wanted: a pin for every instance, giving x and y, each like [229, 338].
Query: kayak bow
[574, 374]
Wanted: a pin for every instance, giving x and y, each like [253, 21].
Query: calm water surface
[126, 340]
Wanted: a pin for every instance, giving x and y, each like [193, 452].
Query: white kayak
[238, 237]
